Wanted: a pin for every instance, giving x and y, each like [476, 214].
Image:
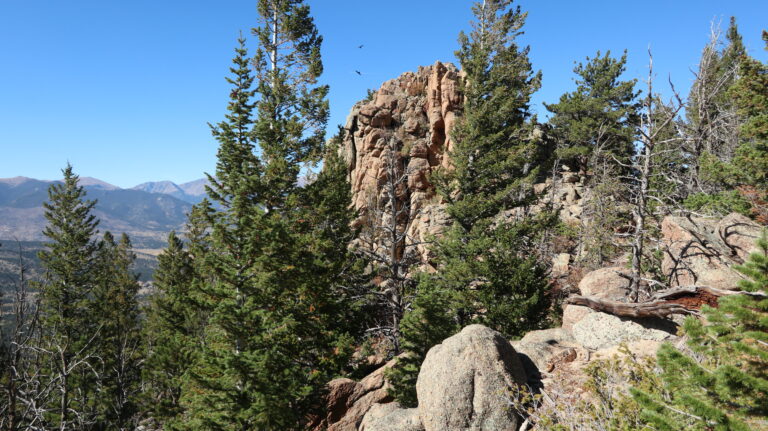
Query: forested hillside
[447, 260]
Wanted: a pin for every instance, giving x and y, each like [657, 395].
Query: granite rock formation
[404, 128]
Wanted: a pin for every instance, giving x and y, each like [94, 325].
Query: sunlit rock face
[402, 134]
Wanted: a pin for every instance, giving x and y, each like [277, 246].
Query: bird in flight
[358, 72]
[360, 46]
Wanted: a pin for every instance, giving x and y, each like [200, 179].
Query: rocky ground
[464, 382]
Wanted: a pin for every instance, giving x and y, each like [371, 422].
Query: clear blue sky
[124, 89]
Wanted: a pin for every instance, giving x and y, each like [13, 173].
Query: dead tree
[713, 123]
[24, 390]
[650, 173]
[384, 240]
[686, 300]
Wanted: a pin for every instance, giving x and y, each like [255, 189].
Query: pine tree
[276, 329]
[726, 388]
[594, 128]
[115, 306]
[293, 108]
[487, 270]
[69, 335]
[597, 119]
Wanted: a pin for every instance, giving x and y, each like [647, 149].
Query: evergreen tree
[275, 332]
[293, 108]
[70, 260]
[713, 124]
[173, 322]
[750, 94]
[427, 324]
[746, 163]
[594, 128]
[488, 271]
[495, 160]
[726, 388]
[599, 117]
[115, 306]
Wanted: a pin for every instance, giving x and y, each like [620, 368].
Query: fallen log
[686, 300]
[623, 309]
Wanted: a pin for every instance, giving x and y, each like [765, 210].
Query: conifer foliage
[726, 388]
[68, 330]
[88, 349]
[119, 343]
[496, 158]
[487, 273]
[275, 329]
[597, 119]
[173, 321]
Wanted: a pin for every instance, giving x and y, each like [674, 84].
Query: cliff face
[400, 136]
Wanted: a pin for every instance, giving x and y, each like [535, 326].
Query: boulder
[560, 264]
[546, 349]
[463, 382]
[639, 349]
[574, 313]
[348, 401]
[391, 417]
[703, 251]
[606, 283]
[601, 330]
[739, 234]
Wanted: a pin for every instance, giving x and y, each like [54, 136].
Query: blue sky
[124, 89]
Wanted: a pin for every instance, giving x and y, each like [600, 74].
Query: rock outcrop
[391, 417]
[601, 330]
[565, 194]
[702, 251]
[463, 382]
[606, 283]
[404, 128]
[546, 350]
[347, 401]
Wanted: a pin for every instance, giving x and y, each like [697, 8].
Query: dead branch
[685, 300]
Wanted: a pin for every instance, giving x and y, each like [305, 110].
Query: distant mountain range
[146, 212]
[192, 192]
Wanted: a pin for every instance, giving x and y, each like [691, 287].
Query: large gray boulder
[463, 383]
[601, 330]
[391, 417]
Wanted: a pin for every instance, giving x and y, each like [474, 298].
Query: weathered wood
[641, 309]
[663, 303]
[694, 290]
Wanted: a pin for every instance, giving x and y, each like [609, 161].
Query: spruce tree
[599, 117]
[496, 158]
[275, 332]
[750, 95]
[115, 307]
[172, 323]
[725, 385]
[487, 271]
[69, 334]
